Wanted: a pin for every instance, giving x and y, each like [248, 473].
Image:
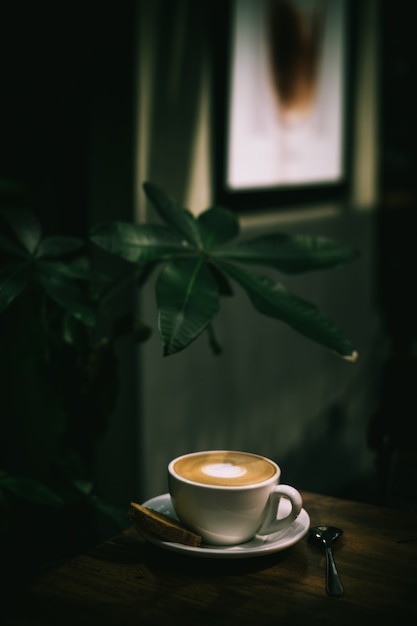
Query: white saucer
[258, 546]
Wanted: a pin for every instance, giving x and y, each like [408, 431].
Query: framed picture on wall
[281, 103]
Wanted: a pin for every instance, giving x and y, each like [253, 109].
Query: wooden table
[129, 581]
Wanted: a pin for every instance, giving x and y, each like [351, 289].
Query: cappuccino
[227, 497]
[225, 468]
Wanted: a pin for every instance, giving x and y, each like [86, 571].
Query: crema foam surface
[233, 469]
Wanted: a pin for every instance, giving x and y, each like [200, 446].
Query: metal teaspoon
[325, 536]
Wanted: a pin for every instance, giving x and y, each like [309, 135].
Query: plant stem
[213, 343]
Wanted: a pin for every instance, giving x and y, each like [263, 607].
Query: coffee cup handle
[270, 522]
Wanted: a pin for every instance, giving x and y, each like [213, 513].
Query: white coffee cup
[228, 496]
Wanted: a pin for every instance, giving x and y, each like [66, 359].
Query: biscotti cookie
[161, 526]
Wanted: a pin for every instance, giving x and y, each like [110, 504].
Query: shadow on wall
[325, 459]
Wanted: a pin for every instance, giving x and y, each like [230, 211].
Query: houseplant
[58, 363]
[200, 256]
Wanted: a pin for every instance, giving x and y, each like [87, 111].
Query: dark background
[68, 131]
[63, 65]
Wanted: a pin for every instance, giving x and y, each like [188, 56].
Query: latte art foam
[225, 468]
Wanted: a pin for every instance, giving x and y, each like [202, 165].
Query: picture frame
[281, 104]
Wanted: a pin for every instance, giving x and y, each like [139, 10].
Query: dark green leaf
[65, 293]
[272, 299]
[217, 226]
[30, 489]
[138, 242]
[287, 253]
[178, 219]
[114, 286]
[223, 285]
[13, 280]
[187, 299]
[58, 246]
[146, 272]
[6, 245]
[78, 268]
[214, 344]
[25, 226]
